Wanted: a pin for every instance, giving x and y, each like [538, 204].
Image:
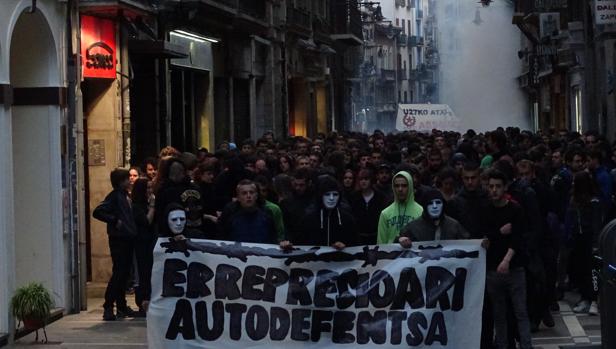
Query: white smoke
[480, 64]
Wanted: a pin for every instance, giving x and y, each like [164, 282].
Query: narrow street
[87, 330]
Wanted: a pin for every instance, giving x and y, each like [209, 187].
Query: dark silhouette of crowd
[537, 201]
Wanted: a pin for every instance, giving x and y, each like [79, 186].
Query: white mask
[435, 208]
[176, 221]
[330, 199]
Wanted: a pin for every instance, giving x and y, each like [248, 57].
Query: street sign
[605, 11]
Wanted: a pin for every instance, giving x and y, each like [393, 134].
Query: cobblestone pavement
[87, 330]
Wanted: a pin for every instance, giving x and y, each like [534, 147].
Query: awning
[327, 49]
[307, 44]
[156, 48]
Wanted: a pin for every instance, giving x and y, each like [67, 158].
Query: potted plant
[32, 304]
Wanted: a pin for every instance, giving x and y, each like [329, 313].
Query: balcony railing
[346, 19]
[321, 28]
[254, 8]
[402, 40]
[388, 74]
[229, 3]
[415, 41]
[298, 18]
[402, 74]
[401, 3]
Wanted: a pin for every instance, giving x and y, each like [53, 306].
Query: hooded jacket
[424, 229]
[397, 215]
[323, 227]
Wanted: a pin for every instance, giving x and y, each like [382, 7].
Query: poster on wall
[98, 47]
[226, 295]
[605, 11]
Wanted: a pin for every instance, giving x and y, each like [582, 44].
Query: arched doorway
[36, 156]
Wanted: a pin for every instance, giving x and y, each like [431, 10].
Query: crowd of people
[538, 202]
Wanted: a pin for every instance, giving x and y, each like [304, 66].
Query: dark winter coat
[116, 207]
[469, 208]
[322, 227]
[367, 215]
[247, 225]
[424, 229]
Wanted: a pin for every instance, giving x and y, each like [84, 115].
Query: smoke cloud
[479, 64]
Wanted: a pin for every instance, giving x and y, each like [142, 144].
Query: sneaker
[594, 309]
[548, 320]
[125, 312]
[582, 307]
[108, 315]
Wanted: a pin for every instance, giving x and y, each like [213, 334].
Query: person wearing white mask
[327, 223]
[433, 225]
[176, 221]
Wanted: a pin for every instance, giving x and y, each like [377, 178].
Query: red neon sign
[98, 48]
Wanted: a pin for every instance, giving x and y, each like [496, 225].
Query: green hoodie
[397, 215]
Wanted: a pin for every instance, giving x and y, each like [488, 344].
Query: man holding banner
[212, 294]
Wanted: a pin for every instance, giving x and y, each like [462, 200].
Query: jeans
[501, 289]
[122, 259]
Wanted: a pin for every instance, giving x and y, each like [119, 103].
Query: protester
[326, 223]
[402, 211]
[116, 211]
[247, 219]
[434, 224]
[143, 213]
[506, 279]
[366, 206]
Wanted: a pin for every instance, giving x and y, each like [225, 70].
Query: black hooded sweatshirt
[323, 227]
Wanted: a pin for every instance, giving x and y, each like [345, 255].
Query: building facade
[570, 60]
[35, 232]
[401, 61]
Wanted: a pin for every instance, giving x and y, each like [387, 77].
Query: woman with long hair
[143, 210]
[583, 223]
[286, 164]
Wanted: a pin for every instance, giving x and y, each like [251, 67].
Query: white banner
[221, 295]
[425, 117]
[605, 11]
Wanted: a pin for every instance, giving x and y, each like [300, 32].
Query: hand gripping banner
[224, 295]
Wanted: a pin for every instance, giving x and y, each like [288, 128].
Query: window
[397, 22]
[403, 26]
[405, 97]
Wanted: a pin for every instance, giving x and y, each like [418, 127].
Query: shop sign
[605, 11]
[98, 48]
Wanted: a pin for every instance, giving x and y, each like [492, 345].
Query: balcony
[115, 7]
[415, 41]
[400, 3]
[253, 8]
[298, 21]
[388, 74]
[322, 30]
[402, 40]
[420, 14]
[346, 18]
[402, 74]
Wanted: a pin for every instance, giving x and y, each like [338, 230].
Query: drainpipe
[125, 94]
[75, 162]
